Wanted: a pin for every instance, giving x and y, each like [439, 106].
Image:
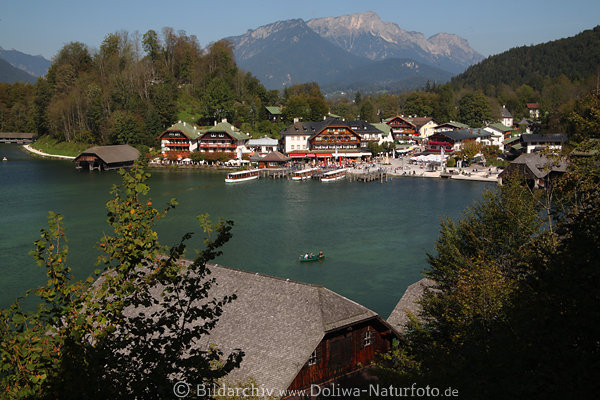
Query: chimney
[296, 120]
[224, 120]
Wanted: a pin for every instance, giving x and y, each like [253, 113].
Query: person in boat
[311, 255]
[320, 254]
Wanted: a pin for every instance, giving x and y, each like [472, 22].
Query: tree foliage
[133, 331]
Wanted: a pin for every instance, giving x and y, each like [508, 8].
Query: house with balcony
[402, 129]
[179, 140]
[222, 138]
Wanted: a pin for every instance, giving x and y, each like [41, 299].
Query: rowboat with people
[310, 257]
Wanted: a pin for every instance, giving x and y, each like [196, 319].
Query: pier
[369, 176]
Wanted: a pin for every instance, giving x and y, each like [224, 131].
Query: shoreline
[41, 153]
[395, 168]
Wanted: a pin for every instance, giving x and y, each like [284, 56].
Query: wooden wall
[342, 352]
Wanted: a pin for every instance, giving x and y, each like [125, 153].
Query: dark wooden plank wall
[342, 352]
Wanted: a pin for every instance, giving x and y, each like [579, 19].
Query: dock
[369, 176]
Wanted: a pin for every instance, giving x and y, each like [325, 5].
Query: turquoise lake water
[375, 235]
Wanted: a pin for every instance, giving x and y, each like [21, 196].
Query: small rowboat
[308, 258]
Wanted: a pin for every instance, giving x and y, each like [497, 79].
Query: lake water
[375, 235]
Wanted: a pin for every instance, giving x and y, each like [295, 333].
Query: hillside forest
[134, 86]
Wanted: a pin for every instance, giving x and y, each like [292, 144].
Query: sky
[43, 27]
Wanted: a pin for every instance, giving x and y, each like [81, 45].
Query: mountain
[10, 74]
[34, 65]
[577, 58]
[366, 35]
[350, 51]
[288, 52]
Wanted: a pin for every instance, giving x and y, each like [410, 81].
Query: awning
[325, 155]
[297, 155]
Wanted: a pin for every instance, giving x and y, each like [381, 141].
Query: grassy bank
[52, 146]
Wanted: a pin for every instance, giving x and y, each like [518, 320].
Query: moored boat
[304, 174]
[334, 175]
[242, 176]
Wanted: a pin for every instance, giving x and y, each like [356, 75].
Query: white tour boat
[242, 176]
[304, 174]
[334, 175]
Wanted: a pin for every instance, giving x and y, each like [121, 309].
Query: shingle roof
[227, 128]
[189, 130]
[500, 127]
[420, 121]
[545, 138]
[409, 303]
[274, 156]
[534, 165]
[263, 141]
[454, 125]
[278, 323]
[113, 154]
[465, 134]
[505, 113]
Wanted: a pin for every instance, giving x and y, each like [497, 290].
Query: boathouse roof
[276, 322]
[409, 303]
[534, 166]
[273, 156]
[117, 154]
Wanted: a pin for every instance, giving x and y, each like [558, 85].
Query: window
[368, 338]
[314, 358]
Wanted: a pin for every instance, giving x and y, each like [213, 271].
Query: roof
[505, 113]
[465, 134]
[500, 127]
[277, 322]
[18, 135]
[189, 130]
[454, 125]
[533, 106]
[263, 141]
[419, 122]
[227, 128]
[544, 138]
[383, 127]
[113, 154]
[534, 165]
[313, 127]
[511, 140]
[273, 156]
[409, 303]
[274, 110]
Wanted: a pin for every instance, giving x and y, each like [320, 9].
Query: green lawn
[52, 146]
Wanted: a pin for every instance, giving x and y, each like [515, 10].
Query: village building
[402, 129]
[506, 117]
[293, 334]
[385, 134]
[450, 126]
[499, 133]
[274, 113]
[326, 140]
[263, 145]
[17, 137]
[451, 141]
[179, 140]
[367, 132]
[534, 110]
[222, 138]
[425, 126]
[271, 160]
[538, 141]
[535, 168]
[105, 158]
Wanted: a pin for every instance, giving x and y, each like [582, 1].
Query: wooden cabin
[272, 160]
[105, 158]
[17, 137]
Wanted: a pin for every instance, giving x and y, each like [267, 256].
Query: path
[41, 153]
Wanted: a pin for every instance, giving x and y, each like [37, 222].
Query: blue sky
[44, 26]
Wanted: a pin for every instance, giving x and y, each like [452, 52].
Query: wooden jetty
[370, 176]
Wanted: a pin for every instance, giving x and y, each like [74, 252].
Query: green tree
[474, 109]
[82, 343]
[367, 112]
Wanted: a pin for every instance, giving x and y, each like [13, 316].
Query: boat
[334, 175]
[304, 174]
[311, 258]
[242, 176]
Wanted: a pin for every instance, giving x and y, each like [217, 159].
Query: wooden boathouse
[17, 137]
[107, 157]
